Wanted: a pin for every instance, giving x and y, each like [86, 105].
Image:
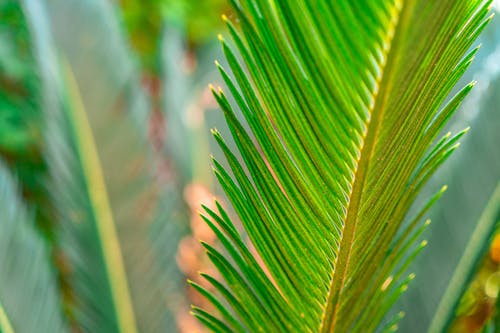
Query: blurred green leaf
[29, 297]
[468, 265]
[102, 182]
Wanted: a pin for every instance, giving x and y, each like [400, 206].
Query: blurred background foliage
[471, 174]
[150, 61]
[20, 117]
[144, 22]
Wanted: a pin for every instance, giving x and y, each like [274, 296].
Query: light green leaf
[344, 101]
[474, 252]
[104, 194]
[472, 174]
[28, 283]
[100, 210]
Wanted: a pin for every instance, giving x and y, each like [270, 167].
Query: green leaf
[345, 104]
[468, 264]
[28, 284]
[104, 194]
[99, 212]
[475, 168]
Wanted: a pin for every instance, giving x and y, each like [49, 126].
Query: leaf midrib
[5, 324]
[373, 127]
[465, 268]
[101, 207]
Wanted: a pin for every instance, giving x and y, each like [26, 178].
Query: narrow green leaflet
[344, 100]
[29, 297]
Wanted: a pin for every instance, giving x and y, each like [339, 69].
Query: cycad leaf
[95, 220]
[114, 211]
[28, 284]
[104, 197]
[474, 167]
[478, 245]
[345, 101]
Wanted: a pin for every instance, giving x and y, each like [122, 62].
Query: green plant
[20, 119]
[472, 174]
[478, 246]
[100, 179]
[345, 102]
[31, 281]
[345, 124]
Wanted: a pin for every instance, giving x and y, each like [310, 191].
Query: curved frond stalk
[474, 252]
[103, 192]
[99, 205]
[29, 298]
[345, 103]
[115, 206]
[5, 324]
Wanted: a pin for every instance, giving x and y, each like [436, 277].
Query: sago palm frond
[479, 251]
[29, 297]
[478, 246]
[104, 196]
[344, 100]
[475, 168]
[106, 213]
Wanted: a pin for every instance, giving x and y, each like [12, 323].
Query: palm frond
[28, 284]
[458, 306]
[344, 100]
[472, 175]
[478, 245]
[103, 192]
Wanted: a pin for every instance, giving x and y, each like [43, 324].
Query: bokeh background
[142, 70]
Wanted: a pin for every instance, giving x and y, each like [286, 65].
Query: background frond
[468, 265]
[105, 196]
[28, 283]
[471, 176]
